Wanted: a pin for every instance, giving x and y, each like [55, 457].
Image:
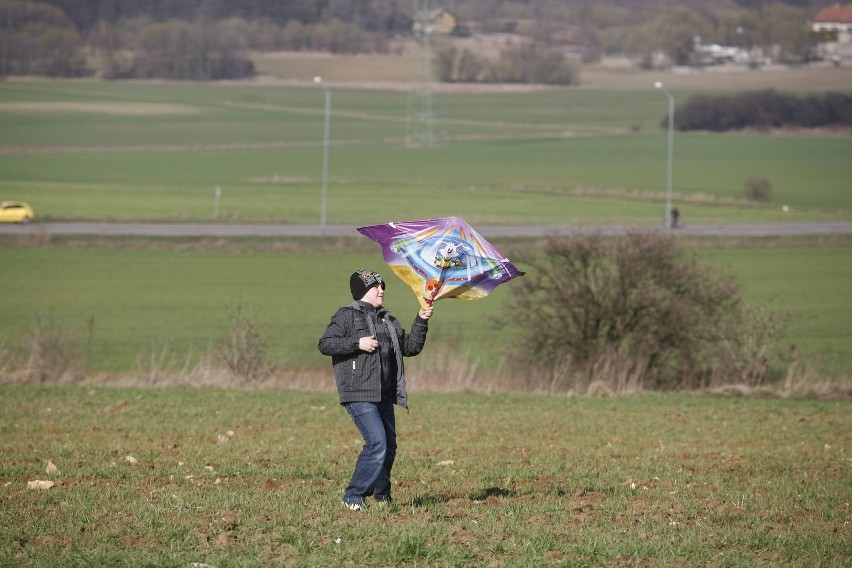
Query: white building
[833, 29]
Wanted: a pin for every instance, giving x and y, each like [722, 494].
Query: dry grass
[304, 66]
[445, 372]
[720, 78]
[117, 109]
[455, 374]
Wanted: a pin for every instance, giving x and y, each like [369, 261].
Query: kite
[442, 258]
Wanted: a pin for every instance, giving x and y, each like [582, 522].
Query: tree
[180, 50]
[295, 36]
[38, 39]
[785, 29]
[737, 27]
[674, 32]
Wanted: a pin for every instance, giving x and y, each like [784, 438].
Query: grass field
[145, 301]
[172, 477]
[156, 151]
[208, 477]
[812, 286]
[149, 297]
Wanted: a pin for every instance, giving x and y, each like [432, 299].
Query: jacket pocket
[350, 371]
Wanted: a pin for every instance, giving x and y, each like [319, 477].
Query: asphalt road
[228, 230]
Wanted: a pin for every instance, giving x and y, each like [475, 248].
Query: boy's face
[375, 296]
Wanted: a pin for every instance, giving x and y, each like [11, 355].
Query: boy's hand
[425, 313]
[368, 344]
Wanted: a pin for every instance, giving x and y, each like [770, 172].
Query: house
[834, 24]
[832, 29]
[441, 22]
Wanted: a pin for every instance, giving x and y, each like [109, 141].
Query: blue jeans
[377, 424]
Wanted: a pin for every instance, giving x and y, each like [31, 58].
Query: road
[488, 231]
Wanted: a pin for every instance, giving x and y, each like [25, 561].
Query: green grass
[810, 285]
[144, 302]
[568, 156]
[504, 480]
[562, 156]
[150, 296]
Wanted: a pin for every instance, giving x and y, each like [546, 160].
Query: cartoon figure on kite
[450, 256]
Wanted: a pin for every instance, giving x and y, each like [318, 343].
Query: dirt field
[721, 78]
[394, 72]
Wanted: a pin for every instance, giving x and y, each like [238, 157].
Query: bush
[244, 350]
[635, 311]
[531, 64]
[524, 64]
[757, 189]
[50, 352]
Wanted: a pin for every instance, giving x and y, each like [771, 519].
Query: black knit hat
[362, 280]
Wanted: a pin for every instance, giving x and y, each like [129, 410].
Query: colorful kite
[442, 258]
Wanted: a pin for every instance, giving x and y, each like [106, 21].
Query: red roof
[839, 14]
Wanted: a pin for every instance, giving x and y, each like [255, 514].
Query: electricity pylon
[420, 127]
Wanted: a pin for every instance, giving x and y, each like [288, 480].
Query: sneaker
[353, 506]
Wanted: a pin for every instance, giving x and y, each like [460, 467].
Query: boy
[367, 344]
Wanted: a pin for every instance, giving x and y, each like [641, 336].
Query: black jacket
[358, 374]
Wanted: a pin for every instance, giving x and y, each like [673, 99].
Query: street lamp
[659, 85]
[318, 81]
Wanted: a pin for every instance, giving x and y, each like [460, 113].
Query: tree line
[763, 110]
[39, 38]
[208, 39]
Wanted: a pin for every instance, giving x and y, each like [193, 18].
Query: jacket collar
[368, 308]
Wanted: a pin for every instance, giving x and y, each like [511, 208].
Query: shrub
[532, 64]
[635, 311]
[524, 64]
[758, 188]
[51, 352]
[244, 349]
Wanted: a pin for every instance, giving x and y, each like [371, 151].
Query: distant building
[836, 21]
[715, 54]
[441, 22]
[832, 29]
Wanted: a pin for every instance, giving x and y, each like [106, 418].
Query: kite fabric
[442, 258]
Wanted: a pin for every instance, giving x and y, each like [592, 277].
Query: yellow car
[16, 212]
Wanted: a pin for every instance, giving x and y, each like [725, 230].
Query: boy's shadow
[478, 495]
